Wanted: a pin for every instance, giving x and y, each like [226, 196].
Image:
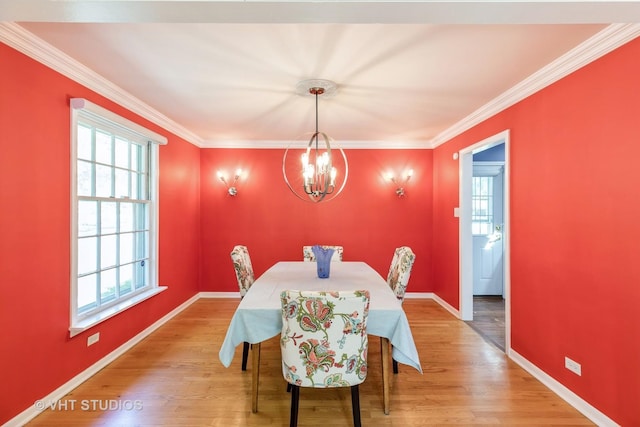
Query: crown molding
[347, 145]
[22, 40]
[612, 37]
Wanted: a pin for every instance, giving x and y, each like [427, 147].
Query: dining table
[259, 314]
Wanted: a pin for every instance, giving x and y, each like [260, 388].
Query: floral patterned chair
[398, 277]
[308, 255]
[324, 342]
[244, 274]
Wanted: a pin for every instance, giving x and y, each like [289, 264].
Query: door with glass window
[486, 223]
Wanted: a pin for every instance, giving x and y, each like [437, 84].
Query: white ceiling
[409, 74]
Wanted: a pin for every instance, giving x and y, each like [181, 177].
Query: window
[482, 205]
[114, 209]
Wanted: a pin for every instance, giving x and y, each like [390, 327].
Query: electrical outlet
[573, 366]
[93, 339]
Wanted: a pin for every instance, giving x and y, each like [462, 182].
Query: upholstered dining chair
[308, 255]
[398, 277]
[244, 275]
[324, 342]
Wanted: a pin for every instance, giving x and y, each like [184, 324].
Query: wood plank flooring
[174, 378]
[488, 319]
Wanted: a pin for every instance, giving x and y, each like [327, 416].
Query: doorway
[484, 238]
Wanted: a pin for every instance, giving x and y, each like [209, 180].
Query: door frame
[466, 238]
[491, 169]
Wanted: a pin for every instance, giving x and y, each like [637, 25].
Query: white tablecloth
[259, 317]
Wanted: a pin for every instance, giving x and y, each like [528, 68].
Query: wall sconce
[400, 183]
[231, 188]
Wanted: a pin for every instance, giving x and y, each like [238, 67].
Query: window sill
[91, 321]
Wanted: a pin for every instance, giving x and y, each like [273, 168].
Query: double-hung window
[482, 205]
[114, 211]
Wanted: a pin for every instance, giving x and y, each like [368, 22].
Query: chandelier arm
[286, 179]
[320, 192]
[329, 166]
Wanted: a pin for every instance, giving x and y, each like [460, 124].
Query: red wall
[368, 219]
[36, 354]
[574, 233]
[575, 238]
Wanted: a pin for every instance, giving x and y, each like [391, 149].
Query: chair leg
[355, 403]
[295, 398]
[395, 364]
[245, 355]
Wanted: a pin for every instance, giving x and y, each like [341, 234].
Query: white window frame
[81, 108]
[482, 224]
[484, 169]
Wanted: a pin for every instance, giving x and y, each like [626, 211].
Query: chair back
[324, 339]
[243, 268]
[400, 270]
[308, 255]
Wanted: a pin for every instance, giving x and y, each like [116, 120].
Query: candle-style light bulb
[409, 174]
[388, 176]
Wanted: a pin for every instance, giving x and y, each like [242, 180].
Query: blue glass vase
[323, 260]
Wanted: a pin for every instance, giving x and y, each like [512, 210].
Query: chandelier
[316, 178]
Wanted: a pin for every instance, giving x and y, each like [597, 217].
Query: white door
[487, 218]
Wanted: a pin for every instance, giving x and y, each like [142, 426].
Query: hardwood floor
[488, 319]
[174, 378]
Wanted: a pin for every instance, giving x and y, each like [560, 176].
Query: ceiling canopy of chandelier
[316, 173]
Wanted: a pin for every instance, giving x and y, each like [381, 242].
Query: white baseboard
[567, 395]
[436, 298]
[32, 412]
[563, 392]
[447, 306]
[220, 295]
[417, 295]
